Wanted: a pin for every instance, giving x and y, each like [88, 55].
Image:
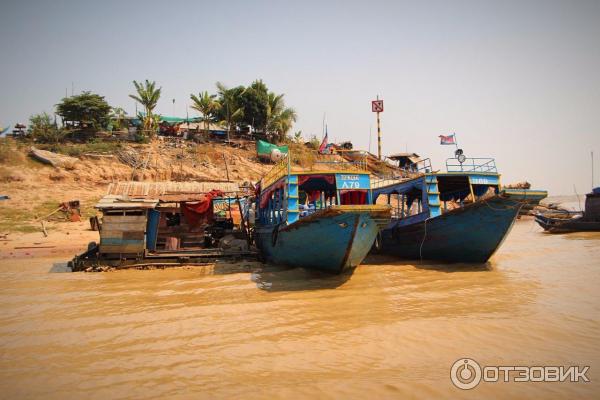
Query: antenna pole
[378, 134]
[592, 170]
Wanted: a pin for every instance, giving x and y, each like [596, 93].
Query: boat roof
[156, 190]
[114, 202]
[413, 157]
[466, 173]
[330, 172]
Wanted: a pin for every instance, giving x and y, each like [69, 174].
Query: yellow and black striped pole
[378, 134]
[378, 137]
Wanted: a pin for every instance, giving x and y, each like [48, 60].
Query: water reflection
[274, 278]
[379, 259]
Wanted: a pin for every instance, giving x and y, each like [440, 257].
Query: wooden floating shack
[167, 222]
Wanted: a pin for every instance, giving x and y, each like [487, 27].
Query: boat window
[353, 197]
[403, 204]
[453, 188]
[316, 192]
[311, 201]
[310, 183]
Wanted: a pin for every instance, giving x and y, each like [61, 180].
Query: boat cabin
[406, 161]
[592, 206]
[291, 197]
[141, 219]
[432, 194]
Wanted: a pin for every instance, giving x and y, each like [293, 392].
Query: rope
[423, 241]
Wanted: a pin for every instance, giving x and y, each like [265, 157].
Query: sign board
[377, 106]
[352, 181]
[484, 179]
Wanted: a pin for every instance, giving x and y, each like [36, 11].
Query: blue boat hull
[331, 240]
[469, 234]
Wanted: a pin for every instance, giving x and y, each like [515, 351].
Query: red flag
[447, 139]
[323, 145]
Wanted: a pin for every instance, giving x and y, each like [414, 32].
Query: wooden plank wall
[123, 234]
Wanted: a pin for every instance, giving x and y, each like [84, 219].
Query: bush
[43, 130]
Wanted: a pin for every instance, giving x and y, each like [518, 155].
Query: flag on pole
[447, 139]
[323, 146]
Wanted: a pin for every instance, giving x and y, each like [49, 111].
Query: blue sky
[518, 81]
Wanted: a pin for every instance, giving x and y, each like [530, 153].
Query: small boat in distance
[317, 219]
[563, 222]
[460, 215]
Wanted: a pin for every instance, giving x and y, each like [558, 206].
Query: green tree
[230, 107]
[147, 95]
[44, 130]
[279, 119]
[254, 102]
[88, 110]
[118, 115]
[206, 105]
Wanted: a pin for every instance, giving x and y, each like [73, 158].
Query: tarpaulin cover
[264, 148]
[199, 212]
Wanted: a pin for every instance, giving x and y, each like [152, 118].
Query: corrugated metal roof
[121, 202]
[154, 190]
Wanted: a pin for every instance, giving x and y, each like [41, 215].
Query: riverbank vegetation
[253, 110]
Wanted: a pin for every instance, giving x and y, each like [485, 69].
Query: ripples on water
[389, 329]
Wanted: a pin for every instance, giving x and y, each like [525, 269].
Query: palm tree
[147, 96]
[206, 105]
[230, 105]
[279, 118]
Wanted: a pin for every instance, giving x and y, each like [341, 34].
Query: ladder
[433, 195]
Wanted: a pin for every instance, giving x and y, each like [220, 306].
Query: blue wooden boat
[317, 219]
[565, 221]
[457, 216]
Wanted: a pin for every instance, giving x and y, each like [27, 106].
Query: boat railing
[360, 162]
[421, 166]
[383, 181]
[471, 165]
[336, 164]
[415, 170]
[280, 169]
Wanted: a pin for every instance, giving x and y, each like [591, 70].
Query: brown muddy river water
[390, 330]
